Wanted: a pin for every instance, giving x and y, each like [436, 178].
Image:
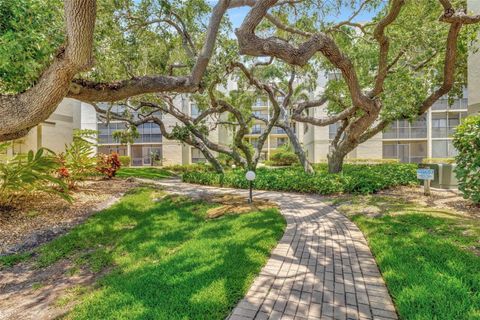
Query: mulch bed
[38, 218]
[440, 199]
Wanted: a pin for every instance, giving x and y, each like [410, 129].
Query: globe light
[250, 175]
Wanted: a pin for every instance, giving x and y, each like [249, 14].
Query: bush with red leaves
[108, 164]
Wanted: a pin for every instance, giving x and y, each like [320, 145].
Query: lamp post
[250, 176]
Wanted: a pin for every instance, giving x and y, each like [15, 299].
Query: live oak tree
[231, 111]
[144, 47]
[398, 65]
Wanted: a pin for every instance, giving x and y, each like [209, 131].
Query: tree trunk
[335, 160]
[210, 157]
[297, 147]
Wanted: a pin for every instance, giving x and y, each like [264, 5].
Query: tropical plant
[31, 173]
[125, 161]
[108, 164]
[467, 142]
[78, 161]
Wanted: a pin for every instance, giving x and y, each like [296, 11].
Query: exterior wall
[55, 132]
[172, 152]
[474, 69]
[370, 149]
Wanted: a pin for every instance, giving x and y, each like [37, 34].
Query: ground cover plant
[167, 260]
[355, 178]
[144, 172]
[429, 257]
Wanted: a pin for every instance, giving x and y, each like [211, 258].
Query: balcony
[278, 131]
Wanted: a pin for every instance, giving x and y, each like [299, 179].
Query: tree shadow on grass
[171, 263]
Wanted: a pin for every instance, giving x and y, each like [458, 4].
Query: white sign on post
[427, 175]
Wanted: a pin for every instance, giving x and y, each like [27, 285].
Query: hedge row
[355, 178]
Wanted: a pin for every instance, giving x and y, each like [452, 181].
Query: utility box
[445, 177]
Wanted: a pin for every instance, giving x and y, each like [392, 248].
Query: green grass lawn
[144, 172]
[430, 259]
[167, 261]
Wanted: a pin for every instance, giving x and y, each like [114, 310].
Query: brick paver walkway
[322, 268]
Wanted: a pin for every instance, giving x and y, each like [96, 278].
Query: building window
[194, 112]
[443, 149]
[444, 123]
[281, 142]
[149, 133]
[261, 114]
[458, 104]
[439, 125]
[197, 156]
[413, 152]
[260, 102]
[256, 129]
[278, 130]
[332, 130]
[405, 129]
[105, 132]
[121, 150]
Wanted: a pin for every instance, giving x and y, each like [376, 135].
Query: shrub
[179, 168]
[78, 161]
[354, 178]
[125, 161]
[438, 160]
[283, 158]
[108, 164]
[31, 172]
[371, 161]
[467, 142]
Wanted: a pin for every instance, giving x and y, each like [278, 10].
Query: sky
[238, 14]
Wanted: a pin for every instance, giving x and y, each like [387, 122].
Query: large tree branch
[20, 112]
[384, 45]
[251, 44]
[89, 91]
[325, 121]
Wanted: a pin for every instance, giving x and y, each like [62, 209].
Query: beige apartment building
[52, 133]
[474, 68]
[430, 136]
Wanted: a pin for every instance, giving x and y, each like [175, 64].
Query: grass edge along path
[153, 173]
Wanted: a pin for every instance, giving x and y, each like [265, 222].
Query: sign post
[426, 175]
[250, 176]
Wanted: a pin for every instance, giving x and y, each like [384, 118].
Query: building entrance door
[404, 153]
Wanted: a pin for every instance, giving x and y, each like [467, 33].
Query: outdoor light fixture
[250, 176]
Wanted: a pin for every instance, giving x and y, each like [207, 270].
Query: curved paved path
[322, 268]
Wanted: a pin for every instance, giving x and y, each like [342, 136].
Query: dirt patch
[232, 204]
[38, 218]
[439, 199]
[47, 293]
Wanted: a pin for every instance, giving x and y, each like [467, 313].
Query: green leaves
[30, 32]
[467, 142]
[362, 179]
[32, 172]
